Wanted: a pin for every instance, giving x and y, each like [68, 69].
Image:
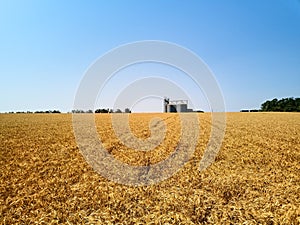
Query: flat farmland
[255, 178]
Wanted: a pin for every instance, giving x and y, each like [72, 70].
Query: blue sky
[252, 46]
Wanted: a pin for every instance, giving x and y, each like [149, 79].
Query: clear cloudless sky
[252, 46]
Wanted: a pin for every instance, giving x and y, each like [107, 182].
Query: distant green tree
[297, 102]
[78, 111]
[282, 105]
[101, 111]
[127, 110]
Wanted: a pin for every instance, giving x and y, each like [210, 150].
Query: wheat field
[255, 178]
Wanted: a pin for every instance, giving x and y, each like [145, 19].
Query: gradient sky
[252, 46]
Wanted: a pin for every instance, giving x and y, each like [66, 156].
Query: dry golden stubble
[255, 178]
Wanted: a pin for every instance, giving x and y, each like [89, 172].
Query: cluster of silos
[175, 106]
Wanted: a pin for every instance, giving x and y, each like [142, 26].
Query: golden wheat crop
[255, 179]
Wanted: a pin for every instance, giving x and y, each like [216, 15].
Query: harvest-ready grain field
[254, 180]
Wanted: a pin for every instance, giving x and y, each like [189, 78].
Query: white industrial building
[176, 106]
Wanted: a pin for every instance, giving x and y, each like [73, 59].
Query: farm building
[176, 106]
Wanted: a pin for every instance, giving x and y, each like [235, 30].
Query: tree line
[46, 111]
[282, 105]
[127, 110]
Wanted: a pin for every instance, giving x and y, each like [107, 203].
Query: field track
[255, 179]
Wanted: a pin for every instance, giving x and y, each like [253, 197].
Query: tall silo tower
[166, 103]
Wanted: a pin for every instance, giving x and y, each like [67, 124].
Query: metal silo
[181, 107]
[171, 108]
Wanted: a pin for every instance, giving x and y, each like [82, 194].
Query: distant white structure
[176, 106]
